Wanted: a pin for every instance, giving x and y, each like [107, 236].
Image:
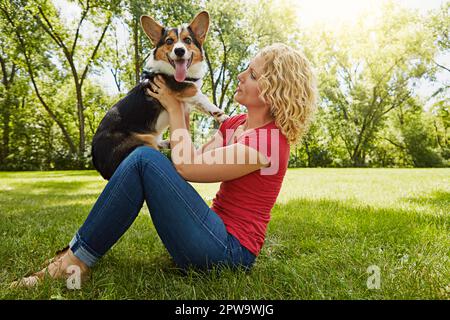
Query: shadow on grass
[307, 220]
[47, 198]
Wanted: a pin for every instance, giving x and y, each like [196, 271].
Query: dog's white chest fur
[163, 122]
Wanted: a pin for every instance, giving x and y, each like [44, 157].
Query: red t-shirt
[244, 204]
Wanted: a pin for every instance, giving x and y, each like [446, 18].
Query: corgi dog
[139, 119]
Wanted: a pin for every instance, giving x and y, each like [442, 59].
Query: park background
[375, 203]
[383, 71]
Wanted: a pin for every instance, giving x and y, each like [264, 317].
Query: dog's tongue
[180, 70]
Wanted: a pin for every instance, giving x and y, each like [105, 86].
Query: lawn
[328, 228]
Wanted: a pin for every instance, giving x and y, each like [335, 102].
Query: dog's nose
[180, 52]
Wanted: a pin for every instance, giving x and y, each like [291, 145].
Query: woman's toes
[28, 282]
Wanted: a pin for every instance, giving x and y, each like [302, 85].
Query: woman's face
[247, 92]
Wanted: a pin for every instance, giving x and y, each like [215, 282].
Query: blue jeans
[193, 234]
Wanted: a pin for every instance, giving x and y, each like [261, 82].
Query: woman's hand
[164, 94]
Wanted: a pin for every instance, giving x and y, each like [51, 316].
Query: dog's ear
[152, 29]
[200, 26]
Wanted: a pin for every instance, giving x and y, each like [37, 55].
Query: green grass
[327, 228]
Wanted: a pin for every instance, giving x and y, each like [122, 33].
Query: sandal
[58, 255]
[35, 278]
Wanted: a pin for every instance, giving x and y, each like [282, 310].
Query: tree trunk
[4, 152]
[358, 158]
[137, 58]
[80, 111]
[308, 153]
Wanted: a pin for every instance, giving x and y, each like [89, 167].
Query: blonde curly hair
[288, 85]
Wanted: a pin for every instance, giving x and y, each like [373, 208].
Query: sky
[333, 11]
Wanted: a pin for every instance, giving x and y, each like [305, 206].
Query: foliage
[51, 62]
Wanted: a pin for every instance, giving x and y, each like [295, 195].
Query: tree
[417, 135]
[369, 115]
[439, 26]
[8, 94]
[30, 43]
[368, 71]
[441, 124]
[69, 43]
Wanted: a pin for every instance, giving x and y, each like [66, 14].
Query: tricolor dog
[139, 119]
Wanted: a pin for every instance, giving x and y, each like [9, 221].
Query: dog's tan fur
[189, 92]
[163, 51]
[147, 139]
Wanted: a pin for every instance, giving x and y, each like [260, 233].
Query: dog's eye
[169, 41]
[188, 40]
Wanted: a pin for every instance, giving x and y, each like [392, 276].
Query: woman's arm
[223, 164]
[215, 142]
[211, 164]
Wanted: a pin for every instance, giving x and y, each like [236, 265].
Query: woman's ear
[264, 100]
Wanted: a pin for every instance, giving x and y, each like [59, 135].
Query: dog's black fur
[135, 113]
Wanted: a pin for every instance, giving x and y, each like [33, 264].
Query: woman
[279, 91]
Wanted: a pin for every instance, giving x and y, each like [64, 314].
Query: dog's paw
[164, 144]
[222, 118]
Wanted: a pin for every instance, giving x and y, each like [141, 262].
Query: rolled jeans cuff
[82, 251]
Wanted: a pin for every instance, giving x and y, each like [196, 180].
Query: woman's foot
[60, 267]
[58, 255]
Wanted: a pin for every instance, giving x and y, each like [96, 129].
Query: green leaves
[366, 72]
[53, 54]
